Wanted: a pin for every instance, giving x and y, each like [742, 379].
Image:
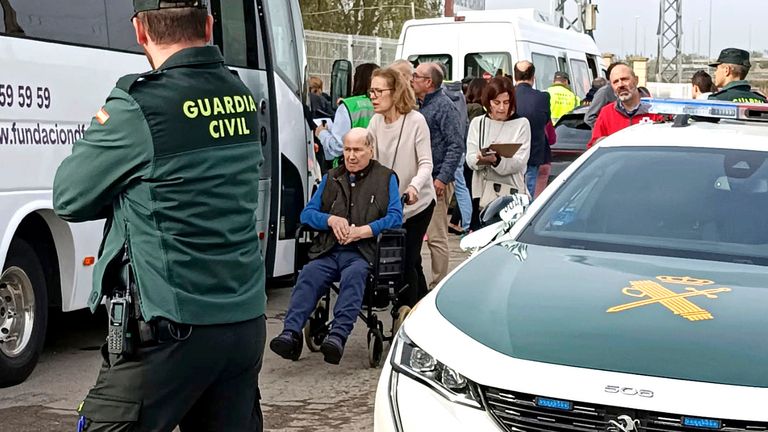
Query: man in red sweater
[627, 111]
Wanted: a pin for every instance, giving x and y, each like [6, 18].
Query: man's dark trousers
[344, 264]
[197, 383]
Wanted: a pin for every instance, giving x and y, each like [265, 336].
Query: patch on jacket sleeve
[102, 116]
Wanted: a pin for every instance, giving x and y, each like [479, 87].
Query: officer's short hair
[174, 25]
[739, 70]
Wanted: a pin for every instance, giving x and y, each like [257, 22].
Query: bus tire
[23, 313]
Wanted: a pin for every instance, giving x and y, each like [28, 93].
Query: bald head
[358, 149]
[524, 72]
[624, 83]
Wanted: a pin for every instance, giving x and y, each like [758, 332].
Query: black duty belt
[161, 330]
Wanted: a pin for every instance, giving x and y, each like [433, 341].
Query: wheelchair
[384, 284]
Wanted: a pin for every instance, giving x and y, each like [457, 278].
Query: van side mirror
[341, 80]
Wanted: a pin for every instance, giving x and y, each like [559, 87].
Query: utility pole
[583, 21]
[670, 35]
[637, 18]
[413, 10]
[709, 47]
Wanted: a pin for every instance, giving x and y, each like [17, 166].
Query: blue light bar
[554, 404]
[709, 108]
[701, 423]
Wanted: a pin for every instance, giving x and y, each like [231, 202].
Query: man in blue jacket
[533, 105]
[352, 205]
[447, 135]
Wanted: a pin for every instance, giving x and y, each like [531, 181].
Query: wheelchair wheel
[402, 314]
[375, 348]
[315, 330]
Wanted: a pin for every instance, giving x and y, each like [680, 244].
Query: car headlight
[418, 364]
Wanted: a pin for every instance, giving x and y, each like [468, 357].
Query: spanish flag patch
[102, 116]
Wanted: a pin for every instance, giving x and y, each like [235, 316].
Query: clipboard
[506, 150]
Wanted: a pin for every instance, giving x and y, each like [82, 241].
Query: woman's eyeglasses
[378, 92]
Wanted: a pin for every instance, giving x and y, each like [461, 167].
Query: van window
[562, 65]
[592, 61]
[546, 66]
[477, 64]
[445, 59]
[580, 79]
[286, 57]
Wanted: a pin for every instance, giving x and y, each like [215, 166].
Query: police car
[631, 296]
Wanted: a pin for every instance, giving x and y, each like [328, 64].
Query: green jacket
[172, 160]
[561, 101]
[360, 110]
[738, 91]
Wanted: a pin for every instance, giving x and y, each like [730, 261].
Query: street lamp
[637, 18]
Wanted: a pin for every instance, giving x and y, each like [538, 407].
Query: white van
[480, 43]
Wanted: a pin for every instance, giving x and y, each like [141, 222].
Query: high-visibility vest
[360, 110]
[561, 101]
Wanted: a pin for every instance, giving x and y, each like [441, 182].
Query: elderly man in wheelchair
[352, 205]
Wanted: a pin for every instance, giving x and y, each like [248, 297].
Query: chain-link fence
[323, 48]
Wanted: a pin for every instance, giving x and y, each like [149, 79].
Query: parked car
[630, 296]
[573, 134]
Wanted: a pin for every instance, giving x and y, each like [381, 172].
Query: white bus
[58, 62]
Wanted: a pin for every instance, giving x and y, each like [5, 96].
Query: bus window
[478, 64]
[234, 42]
[546, 66]
[445, 59]
[120, 32]
[286, 56]
[81, 22]
[580, 78]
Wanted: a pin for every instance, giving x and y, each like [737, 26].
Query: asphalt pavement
[308, 395]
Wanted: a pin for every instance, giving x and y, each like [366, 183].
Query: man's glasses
[378, 92]
[417, 76]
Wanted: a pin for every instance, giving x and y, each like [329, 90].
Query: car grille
[519, 412]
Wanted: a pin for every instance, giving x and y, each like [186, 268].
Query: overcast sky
[732, 23]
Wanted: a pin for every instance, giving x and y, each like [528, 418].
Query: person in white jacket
[494, 175]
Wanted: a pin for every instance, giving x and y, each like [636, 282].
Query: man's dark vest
[361, 203]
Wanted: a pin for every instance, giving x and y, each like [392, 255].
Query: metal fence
[323, 48]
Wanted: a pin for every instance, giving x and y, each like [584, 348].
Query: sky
[735, 23]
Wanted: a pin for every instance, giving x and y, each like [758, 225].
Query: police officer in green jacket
[172, 162]
[731, 70]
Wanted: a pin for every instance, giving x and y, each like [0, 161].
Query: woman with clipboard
[498, 145]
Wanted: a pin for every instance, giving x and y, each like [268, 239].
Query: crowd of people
[439, 141]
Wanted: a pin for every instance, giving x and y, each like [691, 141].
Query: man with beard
[627, 111]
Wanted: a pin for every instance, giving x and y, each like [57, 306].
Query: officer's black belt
[161, 330]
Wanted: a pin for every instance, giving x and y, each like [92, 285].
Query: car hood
[616, 312]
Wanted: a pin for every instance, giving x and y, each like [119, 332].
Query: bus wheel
[23, 313]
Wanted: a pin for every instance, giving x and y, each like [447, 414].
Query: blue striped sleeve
[311, 215]
[394, 216]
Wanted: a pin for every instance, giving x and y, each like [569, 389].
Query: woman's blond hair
[402, 93]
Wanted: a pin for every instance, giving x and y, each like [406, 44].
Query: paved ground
[308, 395]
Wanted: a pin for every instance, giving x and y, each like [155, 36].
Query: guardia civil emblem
[680, 303]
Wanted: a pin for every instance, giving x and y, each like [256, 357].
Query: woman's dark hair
[475, 90]
[703, 81]
[363, 74]
[497, 86]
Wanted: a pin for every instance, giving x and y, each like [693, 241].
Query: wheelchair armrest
[393, 232]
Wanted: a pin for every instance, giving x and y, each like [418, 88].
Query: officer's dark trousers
[343, 264]
[208, 382]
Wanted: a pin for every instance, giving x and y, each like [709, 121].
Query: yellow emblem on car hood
[675, 302]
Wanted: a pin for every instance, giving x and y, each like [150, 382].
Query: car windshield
[684, 202]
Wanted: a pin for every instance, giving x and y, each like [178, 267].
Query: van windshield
[478, 64]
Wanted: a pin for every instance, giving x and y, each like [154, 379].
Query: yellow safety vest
[561, 101]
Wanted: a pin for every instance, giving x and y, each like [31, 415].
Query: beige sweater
[411, 160]
[511, 171]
